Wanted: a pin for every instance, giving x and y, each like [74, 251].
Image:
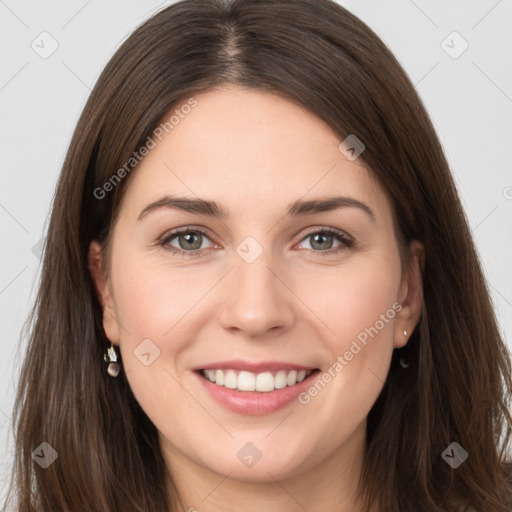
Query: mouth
[264, 382]
[250, 387]
[261, 391]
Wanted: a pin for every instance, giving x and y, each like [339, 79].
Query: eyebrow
[297, 208]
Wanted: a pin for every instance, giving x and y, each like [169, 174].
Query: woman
[248, 370]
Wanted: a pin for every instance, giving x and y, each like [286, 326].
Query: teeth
[265, 382]
[291, 379]
[248, 381]
[280, 379]
[230, 379]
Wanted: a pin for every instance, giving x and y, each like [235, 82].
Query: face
[293, 314]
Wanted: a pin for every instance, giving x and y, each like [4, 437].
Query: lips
[254, 388]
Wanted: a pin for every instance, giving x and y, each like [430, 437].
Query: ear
[104, 291]
[410, 295]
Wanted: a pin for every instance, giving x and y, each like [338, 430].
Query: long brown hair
[320, 56]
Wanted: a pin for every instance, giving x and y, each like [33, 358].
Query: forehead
[251, 151]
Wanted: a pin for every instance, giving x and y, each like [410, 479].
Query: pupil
[189, 240]
[320, 237]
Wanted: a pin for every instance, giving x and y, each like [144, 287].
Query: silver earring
[111, 357]
[405, 361]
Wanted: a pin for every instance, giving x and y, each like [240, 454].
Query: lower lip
[255, 403]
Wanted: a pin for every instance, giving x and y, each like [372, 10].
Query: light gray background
[469, 99]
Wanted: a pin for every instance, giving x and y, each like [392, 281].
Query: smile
[254, 389]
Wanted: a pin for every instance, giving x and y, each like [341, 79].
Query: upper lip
[264, 366]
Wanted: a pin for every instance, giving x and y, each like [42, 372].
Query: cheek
[352, 299]
[360, 313]
[152, 300]
[157, 304]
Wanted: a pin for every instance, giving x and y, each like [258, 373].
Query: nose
[258, 300]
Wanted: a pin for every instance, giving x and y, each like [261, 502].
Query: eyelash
[346, 243]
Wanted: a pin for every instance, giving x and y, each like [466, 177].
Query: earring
[405, 361]
[111, 357]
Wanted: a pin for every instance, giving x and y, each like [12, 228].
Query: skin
[254, 153]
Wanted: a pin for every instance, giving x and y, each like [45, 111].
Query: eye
[189, 241]
[322, 241]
